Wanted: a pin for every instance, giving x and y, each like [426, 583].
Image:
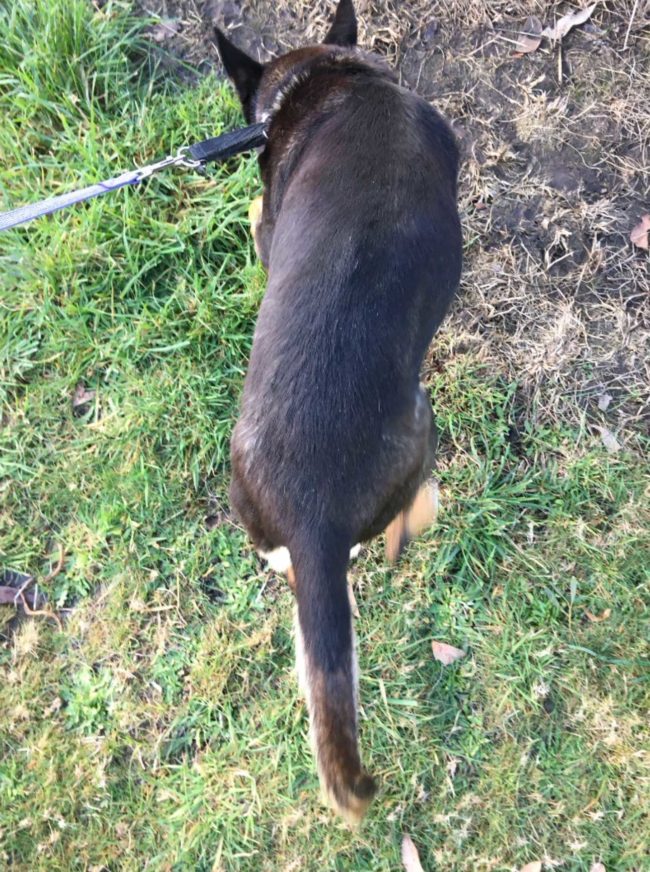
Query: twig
[20, 592]
[46, 613]
[59, 565]
[23, 587]
[629, 27]
[485, 45]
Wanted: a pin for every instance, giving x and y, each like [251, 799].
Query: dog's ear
[244, 71]
[344, 27]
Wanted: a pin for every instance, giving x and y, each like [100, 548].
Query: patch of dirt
[556, 173]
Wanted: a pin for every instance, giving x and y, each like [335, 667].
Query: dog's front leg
[255, 218]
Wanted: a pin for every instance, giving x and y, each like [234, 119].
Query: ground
[150, 716]
[556, 161]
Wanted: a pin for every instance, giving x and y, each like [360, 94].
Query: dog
[359, 231]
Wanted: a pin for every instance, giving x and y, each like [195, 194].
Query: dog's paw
[279, 560]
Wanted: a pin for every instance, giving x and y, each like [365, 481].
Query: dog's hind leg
[421, 510]
[408, 523]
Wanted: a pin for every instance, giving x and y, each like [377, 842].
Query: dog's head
[258, 84]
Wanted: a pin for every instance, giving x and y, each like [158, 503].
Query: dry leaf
[610, 441]
[446, 654]
[603, 402]
[168, 27]
[530, 37]
[597, 867]
[535, 866]
[219, 519]
[410, 856]
[82, 396]
[597, 619]
[9, 597]
[639, 236]
[568, 22]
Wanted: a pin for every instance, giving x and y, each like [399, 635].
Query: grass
[159, 726]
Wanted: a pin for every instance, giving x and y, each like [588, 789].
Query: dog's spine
[327, 671]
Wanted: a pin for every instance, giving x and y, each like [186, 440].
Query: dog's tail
[327, 671]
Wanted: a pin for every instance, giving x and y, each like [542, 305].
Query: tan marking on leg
[291, 578]
[255, 209]
[395, 537]
[423, 510]
[255, 218]
[420, 514]
[354, 608]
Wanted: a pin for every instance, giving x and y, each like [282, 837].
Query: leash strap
[229, 144]
[215, 149]
[23, 214]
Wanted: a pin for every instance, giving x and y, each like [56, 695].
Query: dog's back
[365, 257]
[361, 238]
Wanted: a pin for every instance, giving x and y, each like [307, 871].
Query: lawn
[149, 715]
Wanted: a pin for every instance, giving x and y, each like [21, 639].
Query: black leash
[192, 157]
[229, 144]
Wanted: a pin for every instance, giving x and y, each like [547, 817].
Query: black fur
[344, 27]
[361, 238]
[245, 72]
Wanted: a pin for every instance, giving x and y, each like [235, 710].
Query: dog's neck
[282, 81]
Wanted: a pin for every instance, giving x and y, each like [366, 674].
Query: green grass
[161, 728]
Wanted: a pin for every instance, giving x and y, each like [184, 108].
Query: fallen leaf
[446, 654]
[81, 396]
[535, 866]
[410, 856]
[597, 867]
[13, 578]
[603, 402]
[610, 441]
[530, 37]
[167, 28]
[568, 22]
[639, 235]
[597, 619]
[219, 519]
[9, 597]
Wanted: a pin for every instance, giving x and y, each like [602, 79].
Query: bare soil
[556, 173]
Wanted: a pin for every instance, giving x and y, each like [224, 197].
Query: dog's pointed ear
[344, 27]
[244, 71]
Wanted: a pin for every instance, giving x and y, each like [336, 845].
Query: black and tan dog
[360, 234]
